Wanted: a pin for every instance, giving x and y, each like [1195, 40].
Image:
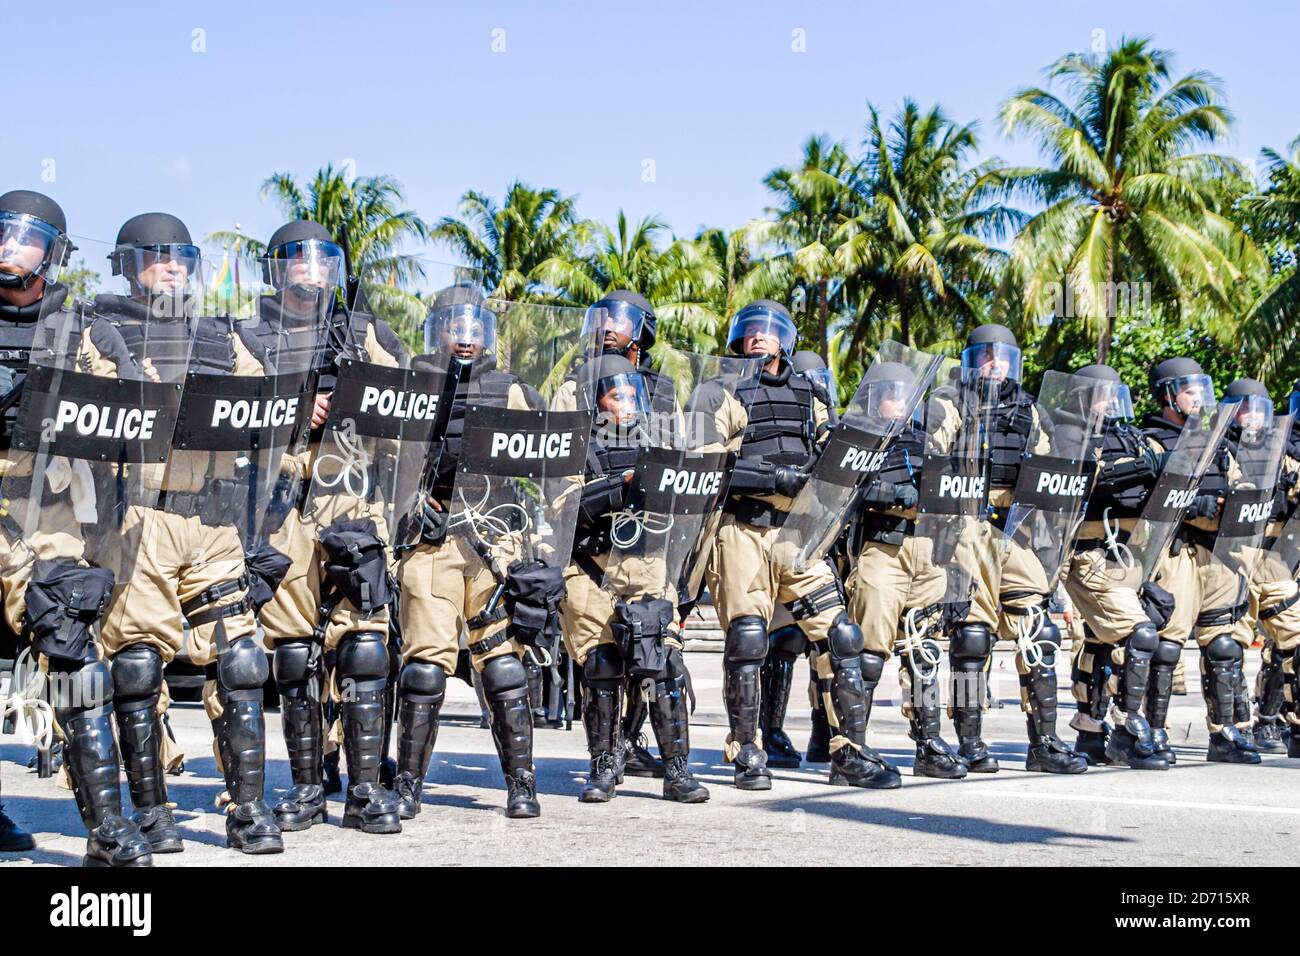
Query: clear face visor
[1293, 405]
[1254, 414]
[463, 331]
[167, 269]
[823, 378]
[30, 246]
[762, 332]
[995, 361]
[1190, 393]
[1111, 400]
[307, 266]
[889, 400]
[621, 402]
[619, 323]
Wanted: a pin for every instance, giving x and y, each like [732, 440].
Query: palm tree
[915, 253]
[1125, 195]
[813, 202]
[1273, 218]
[511, 241]
[368, 208]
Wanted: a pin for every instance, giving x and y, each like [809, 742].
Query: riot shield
[662, 540]
[952, 502]
[96, 417]
[239, 456]
[383, 419]
[518, 479]
[855, 448]
[1248, 504]
[1174, 490]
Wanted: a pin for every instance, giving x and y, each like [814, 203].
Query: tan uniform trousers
[887, 582]
[178, 559]
[746, 578]
[588, 609]
[1105, 597]
[443, 587]
[295, 610]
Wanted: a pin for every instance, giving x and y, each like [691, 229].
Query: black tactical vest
[902, 466]
[484, 386]
[1010, 425]
[780, 428]
[1120, 441]
[1215, 480]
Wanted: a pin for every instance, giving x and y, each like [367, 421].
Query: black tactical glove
[905, 496]
[882, 494]
[788, 480]
[1204, 506]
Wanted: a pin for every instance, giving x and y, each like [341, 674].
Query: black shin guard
[421, 690]
[505, 685]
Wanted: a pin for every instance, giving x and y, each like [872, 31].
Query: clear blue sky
[584, 93]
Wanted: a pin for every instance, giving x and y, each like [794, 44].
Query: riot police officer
[1206, 591]
[1010, 582]
[447, 588]
[1121, 638]
[896, 588]
[157, 257]
[50, 594]
[779, 442]
[308, 622]
[589, 612]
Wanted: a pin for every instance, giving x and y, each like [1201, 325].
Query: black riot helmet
[1101, 391]
[889, 392]
[809, 364]
[303, 257]
[618, 389]
[33, 239]
[460, 324]
[1254, 406]
[763, 315]
[625, 314]
[1182, 384]
[156, 256]
[992, 353]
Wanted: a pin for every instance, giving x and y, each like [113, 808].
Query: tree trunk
[823, 307]
[904, 317]
[1108, 320]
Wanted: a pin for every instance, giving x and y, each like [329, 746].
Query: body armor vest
[168, 344]
[903, 461]
[1215, 479]
[484, 386]
[1012, 422]
[780, 428]
[1120, 441]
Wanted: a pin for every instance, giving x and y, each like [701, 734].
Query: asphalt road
[1196, 814]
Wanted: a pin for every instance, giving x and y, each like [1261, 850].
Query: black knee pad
[137, 678]
[1142, 643]
[242, 668]
[603, 665]
[77, 687]
[422, 682]
[504, 678]
[1223, 649]
[292, 664]
[873, 667]
[843, 640]
[971, 644]
[787, 642]
[363, 656]
[746, 640]
[1167, 653]
[1049, 639]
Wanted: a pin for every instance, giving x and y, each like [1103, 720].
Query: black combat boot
[1048, 753]
[1090, 721]
[304, 804]
[934, 756]
[746, 647]
[137, 689]
[635, 760]
[82, 694]
[362, 674]
[1270, 701]
[851, 691]
[1221, 666]
[969, 648]
[13, 838]
[422, 687]
[1131, 742]
[671, 723]
[505, 685]
[777, 675]
[602, 711]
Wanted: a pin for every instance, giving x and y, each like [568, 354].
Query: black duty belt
[761, 514]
